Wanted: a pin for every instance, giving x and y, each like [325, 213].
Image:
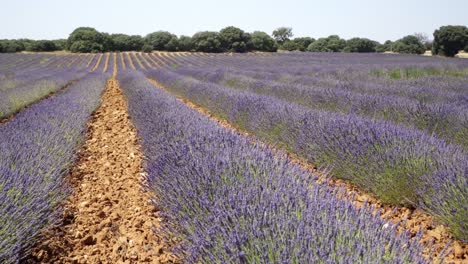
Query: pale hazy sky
[375, 19]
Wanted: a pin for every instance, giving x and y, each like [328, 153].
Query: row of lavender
[38, 147]
[24, 84]
[400, 165]
[433, 98]
[232, 201]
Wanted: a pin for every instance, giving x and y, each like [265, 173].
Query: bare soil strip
[123, 61]
[97, 63]
[90, 60]
[109, 217]
[155, 65]
[135, 56]
[106, 64]
[412, 220]
[116, 67]
[130, 61]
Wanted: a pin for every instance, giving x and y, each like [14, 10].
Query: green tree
[332, 43]
[282, 34]
[60, 44]
[261, 41]
[42, 45]
[159, 40]
[123, 42]
[234, 39]
[147, 48]
[360, 45]
[386, 46]
[185, 43]
[289, 46]
[303, 43]
[449, 40]
[86, 39]
[207, 41]
[409, 45]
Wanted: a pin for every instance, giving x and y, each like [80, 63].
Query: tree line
[448, 41]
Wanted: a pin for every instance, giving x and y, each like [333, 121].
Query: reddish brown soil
[109, 217]
[412, 220]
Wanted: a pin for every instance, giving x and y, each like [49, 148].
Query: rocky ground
[109, 217]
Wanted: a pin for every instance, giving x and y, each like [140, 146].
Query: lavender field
[393, 126]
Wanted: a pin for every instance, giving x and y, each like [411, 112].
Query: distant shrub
[282, 34]
[234, 39]
[207, 41]
[86, 46]
[409, 45]
[360, 45]
[261, 41]
[10, 46]
[147, 48]
[160, 40]
[289, 46]
[123, 42]
[303, 43]
[185, 43]
[449, 40]
[332, 43]
[86, 39]
[42, 45]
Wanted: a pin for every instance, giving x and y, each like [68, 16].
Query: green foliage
[409, 45]
[147, 48]
[387, 46]
[185, 43]
[86, 39]
[86, 46]
[60, 44]
[234, 39]
[332, 43]
[261, 41]
[282, 34]
[449, 40]
[160, 40]
[42, 45]
[289, 46]
[360, 45]
[10, 46]
[303, 43]
[415, 72]
[207, 41]
[122, 42]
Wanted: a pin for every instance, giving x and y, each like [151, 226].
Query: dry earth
[412, 220]
[109, 217]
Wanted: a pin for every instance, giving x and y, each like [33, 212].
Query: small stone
[89, 240]
[457, 249]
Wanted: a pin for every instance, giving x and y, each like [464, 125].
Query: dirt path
[108, 218]
[413, 220]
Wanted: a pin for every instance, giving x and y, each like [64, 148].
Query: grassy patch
[415, 72]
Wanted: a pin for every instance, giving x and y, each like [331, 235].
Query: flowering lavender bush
[20, 86]
[398, 164]
[232, 201]
[446, 117]
[37, 149]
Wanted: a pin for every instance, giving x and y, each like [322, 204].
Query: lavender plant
[400, 165]
[232, 201]
[37, 149]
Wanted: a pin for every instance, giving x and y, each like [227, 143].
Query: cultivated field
[233, 158]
